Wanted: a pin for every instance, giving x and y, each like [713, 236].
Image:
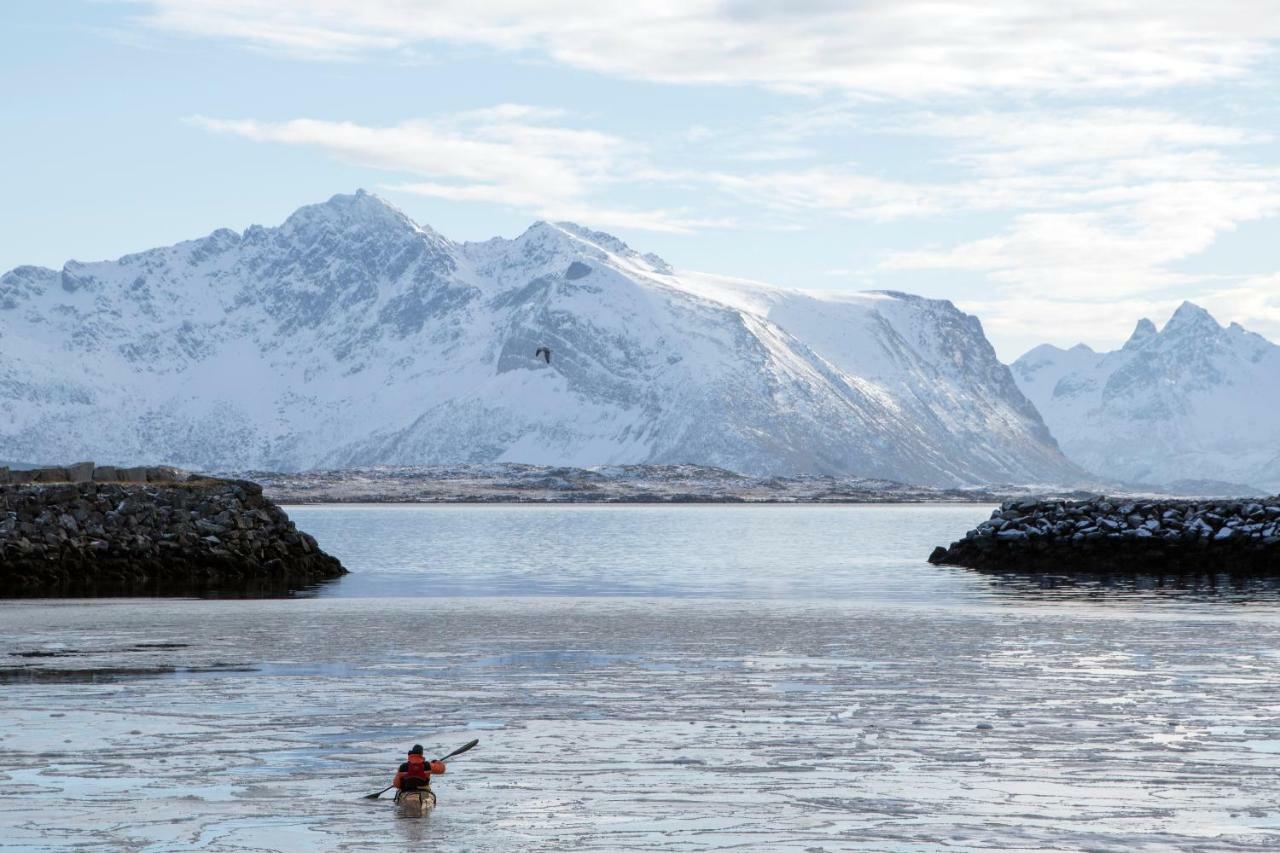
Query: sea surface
[650, 678]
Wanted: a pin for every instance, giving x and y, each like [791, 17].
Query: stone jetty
[1111, 536]
[87, 530]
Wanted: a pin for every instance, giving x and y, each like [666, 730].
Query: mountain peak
[361, 208]
[343, 338]
[1191, 316]
[1145, 329]
[609, 243]
[571, 232]
[604, 240]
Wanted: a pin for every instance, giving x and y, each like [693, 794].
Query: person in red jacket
[416, 772]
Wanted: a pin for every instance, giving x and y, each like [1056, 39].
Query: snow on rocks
[164, 534]
[373, 341]
[1106, 535]
[1190, 407]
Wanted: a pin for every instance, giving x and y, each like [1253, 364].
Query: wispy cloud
[1104, 201]
[510, 154]
[1042, 148]
[1097, 200]
[877, 48]
[1253, 302]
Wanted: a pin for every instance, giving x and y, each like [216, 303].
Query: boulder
[80, 472]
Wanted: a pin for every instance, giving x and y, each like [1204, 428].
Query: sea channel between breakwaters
[711, 677]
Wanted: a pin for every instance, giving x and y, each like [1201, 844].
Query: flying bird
[543, 353]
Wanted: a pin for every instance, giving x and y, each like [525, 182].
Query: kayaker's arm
[437, 767]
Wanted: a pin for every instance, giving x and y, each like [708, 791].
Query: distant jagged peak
[575, 236]
[1051, 354]
[361, 209]
[1038, 352]
[28, 272]
[604, 240]
[1144, 330]
[1190, 316]
[570, 238]
[554, 248]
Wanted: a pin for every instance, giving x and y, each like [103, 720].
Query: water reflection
[1223, 587]
[734, 552]
[863, 554]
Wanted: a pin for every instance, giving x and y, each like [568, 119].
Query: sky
[1060, 169]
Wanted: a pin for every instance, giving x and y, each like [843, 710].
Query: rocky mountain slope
[1193, 401]
[350, 336]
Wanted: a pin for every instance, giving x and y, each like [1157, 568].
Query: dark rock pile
[1105, 535]
[87, 472]
[159, 532]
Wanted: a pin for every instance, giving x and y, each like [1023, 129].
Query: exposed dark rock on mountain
[1193, 401]
[351, 336]
[160, 535]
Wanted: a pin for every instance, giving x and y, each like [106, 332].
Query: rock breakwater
[1107, 536]
[158, 532]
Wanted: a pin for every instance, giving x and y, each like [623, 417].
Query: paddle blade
[377, 794]
[461, 749]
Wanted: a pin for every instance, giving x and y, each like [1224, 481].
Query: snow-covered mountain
[1192, 401]
[351, 336]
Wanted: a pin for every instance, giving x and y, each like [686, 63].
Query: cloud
[1018, 322]
[1254, 303]
[875, 48]
[508, 154]
[1083, 148]
[1095, 200]
[1103, 201]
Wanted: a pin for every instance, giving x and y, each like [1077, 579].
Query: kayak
[415, 803]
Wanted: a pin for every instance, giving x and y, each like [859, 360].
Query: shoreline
[535, 502]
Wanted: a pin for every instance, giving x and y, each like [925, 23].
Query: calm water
[737, 552]
[832, 553]
[649, 678]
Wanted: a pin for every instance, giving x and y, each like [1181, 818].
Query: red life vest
[417, 768]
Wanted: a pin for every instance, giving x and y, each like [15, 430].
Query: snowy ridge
[351, 336]
[1193, 401]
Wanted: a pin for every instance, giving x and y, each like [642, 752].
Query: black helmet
[417, 749]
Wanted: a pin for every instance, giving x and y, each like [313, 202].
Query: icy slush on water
[969, 721]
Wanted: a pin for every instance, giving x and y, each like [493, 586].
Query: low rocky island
[506, 482]
[87, 530]
[1102, 535]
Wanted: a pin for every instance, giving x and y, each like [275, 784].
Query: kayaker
[416, 772]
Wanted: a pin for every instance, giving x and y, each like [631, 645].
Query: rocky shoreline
[99, 531]
[606, 484]
[1102, 535]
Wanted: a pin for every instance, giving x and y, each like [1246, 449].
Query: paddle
[457, 751]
